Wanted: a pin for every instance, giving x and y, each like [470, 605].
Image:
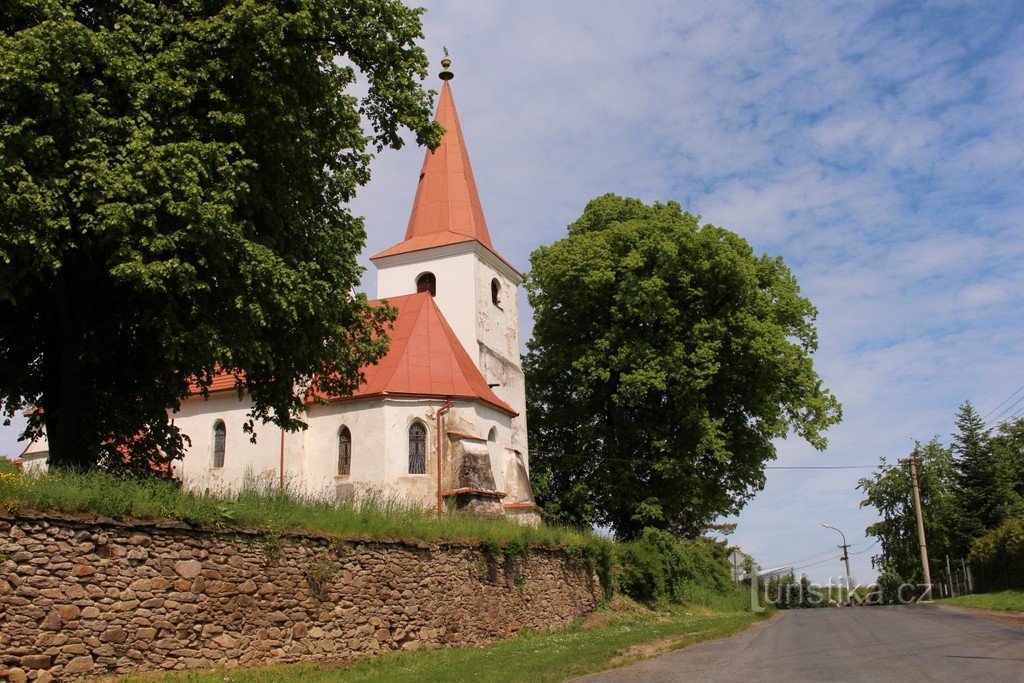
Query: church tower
[448, 251]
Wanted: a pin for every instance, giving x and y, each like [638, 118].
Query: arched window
[220, 434]
[417, 448]
[493, 434]
[496, 292]
[426, 283]
[344, 451]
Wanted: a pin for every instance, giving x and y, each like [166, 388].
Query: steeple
[447, 208]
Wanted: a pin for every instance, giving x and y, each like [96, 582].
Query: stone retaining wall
[82, 597]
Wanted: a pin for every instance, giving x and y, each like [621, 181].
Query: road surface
[905, 643]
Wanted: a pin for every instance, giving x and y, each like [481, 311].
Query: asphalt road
[905, 643]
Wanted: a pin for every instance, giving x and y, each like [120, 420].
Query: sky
[876, 147]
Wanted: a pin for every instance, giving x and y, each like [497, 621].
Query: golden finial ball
[446, 74]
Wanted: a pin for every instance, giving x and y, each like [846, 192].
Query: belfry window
[344, 451]
[496, 292]
[493, 434]
[417, 448]
[220, 434]
[426, 283]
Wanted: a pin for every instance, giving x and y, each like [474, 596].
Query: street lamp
[846, 558]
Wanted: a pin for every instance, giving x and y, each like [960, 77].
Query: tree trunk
[69, 401]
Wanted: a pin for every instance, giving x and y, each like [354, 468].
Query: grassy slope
[616, 639]
[1003, 601]
[269, 508]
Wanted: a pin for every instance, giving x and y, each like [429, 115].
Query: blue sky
[875, 146]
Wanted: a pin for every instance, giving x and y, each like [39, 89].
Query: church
[438, 421]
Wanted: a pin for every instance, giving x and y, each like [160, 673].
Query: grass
[1003, 601]
[612, 637]
[269, 508]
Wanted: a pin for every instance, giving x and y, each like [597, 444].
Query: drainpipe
[282, 458]
[441, 411]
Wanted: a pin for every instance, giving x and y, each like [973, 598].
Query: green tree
[983, 485]
[666, 356]
[173, 188]
[1008, 448]
[888, 491]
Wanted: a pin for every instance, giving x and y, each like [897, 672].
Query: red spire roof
[425, 359]
[447, 207]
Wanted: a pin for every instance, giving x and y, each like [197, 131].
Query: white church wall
[365, 421]
[242, 458]
[497, 325]
[33, 458]
[399, 416]
[488, 418]
[454, 267]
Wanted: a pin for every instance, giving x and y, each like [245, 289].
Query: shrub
[997, 557]
[656, 568]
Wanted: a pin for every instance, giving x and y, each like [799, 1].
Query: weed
[318, 574]
[272, 544]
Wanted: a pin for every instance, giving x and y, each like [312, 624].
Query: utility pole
[845, 558]
[912, 461]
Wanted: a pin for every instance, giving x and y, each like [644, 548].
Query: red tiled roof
[425, 359]
[224, 381]
[447, 208]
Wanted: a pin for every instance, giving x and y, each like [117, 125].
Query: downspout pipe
[441, 411]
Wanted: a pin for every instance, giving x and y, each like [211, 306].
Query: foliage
[997, 557]
[983, 486]
[173, 187]
[967, 490]
[888, 491]
[666, 356]
[658, 569]
[888, 586]
[618, 638]
[788, 592]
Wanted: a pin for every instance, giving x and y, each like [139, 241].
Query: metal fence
[954, 582]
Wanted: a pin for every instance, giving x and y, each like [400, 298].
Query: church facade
[440, 420]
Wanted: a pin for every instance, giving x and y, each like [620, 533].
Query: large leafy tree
[888, 490]
[173, 181]
[666, 356]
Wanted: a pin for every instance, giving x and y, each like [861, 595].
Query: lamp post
[846, 558]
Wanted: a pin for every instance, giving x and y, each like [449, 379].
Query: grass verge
[265, 506]
[1003, 601]
[612, 637]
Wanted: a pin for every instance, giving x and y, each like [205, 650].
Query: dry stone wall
[83, 597]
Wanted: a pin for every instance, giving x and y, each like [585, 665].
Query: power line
[985, 417]
[1005, 410]
[814, 564]
[820, 467]
[1017, 414]
[866, 549]
[577, 456]
[817, 555]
